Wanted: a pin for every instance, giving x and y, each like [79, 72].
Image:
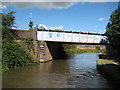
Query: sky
[69, 16]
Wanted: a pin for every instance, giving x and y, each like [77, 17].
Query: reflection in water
[76, 72]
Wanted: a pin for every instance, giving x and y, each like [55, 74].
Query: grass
[104, 61]
[72, 52]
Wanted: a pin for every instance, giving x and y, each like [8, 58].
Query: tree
[113, 33]
[98, 48]
[30, 24]
[8, 20]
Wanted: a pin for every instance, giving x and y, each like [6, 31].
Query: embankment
[110, 70]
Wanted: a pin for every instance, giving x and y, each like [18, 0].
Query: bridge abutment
[51, 51]
[45, 54]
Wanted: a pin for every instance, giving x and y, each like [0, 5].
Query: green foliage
[30, 24]
[71, 52]
[4, 68]
[13, 55]
[29, 42]
[113, 33]
[8, 34]
[8, 20]
[104, 61]
[98, 47]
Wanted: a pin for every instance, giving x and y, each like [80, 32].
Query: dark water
[76, 72]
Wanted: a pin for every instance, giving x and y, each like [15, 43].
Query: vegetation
[113, 33]
[29, 42]
[8, 34]
[71, 50]
[108, 68]
[13, 54]
[98, 47]
[76, 51]
[30, 24]
[104, 61]
[8, 20]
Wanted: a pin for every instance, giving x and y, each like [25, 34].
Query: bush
[98, 47]
[8, 34]
[13, 55]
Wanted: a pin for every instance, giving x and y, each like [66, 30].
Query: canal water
[78, 71]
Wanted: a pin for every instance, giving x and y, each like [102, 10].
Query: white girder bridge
[71, 37]
[51, 41]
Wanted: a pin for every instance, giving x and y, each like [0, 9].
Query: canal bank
[110, 70]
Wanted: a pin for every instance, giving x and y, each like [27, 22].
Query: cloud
[48, 4]
[42, 5]
[101, 19]
[60, 0]
[2, 6]
[51, 28]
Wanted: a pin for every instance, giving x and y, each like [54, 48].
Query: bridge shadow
[57, 50]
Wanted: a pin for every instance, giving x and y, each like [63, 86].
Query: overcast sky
[75, 16]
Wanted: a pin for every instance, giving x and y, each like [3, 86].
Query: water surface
[76, 72]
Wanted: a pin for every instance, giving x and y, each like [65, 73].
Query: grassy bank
[110, 70]
[71, 52]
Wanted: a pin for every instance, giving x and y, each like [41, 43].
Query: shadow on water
[112, 73]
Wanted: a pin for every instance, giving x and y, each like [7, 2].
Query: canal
[78, 71]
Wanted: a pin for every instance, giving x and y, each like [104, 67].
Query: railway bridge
[48, 43]
[51, 40]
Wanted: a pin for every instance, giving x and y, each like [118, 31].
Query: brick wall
[90, 46]
[26, 34]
